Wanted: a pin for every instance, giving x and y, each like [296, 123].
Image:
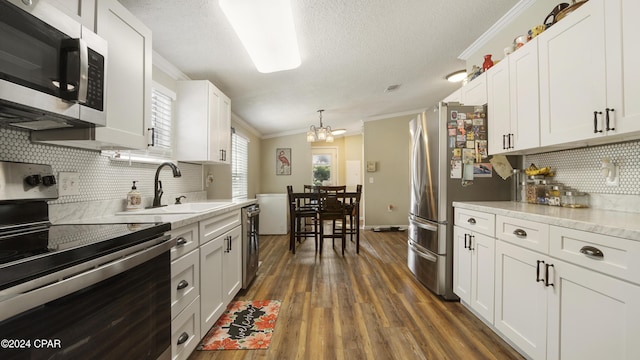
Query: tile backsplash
[100, 178]
[580, 169]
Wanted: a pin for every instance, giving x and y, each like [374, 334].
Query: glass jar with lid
[554, 195]
[574, 199]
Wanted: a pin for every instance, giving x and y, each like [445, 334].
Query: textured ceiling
[351, 51]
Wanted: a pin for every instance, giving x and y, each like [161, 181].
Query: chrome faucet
[157, 188]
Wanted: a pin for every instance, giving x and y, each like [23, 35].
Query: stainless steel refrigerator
[449, 162]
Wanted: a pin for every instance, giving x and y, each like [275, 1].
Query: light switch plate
[68, 183]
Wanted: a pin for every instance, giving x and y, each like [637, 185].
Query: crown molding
[496, 28]
[245, 125]
[163, 64]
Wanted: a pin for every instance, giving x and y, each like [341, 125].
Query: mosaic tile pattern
[100, 178]
[580, 168]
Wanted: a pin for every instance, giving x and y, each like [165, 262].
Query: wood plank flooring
[360, 306]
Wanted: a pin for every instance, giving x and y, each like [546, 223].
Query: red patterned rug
[244, 325]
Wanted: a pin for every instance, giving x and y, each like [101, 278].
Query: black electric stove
[31, 247]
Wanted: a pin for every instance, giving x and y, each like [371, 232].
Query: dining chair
[303, 217]
[331, 208]
[352, 225]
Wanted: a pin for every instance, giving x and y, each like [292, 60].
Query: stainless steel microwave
[52, 69]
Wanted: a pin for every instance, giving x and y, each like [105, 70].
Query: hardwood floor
[366, 306]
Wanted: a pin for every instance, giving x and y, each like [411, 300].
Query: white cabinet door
[128, 88]
[203, 131]
[232, 264]
[473, 275]
[498, 109]
[592, 316]
[573, 78]
[482, 275]
[623, 51]
[82, 11]
[211, 295]
[461, 264]
[475, 92]
[524, 97]
[520, 300]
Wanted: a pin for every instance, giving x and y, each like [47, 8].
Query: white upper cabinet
[203, 123]
[81, 10]
[455, 96]
[128, 77]
[588, 74]
[475, 92]
[498, 109]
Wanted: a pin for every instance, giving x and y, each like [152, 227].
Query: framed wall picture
[283, 161]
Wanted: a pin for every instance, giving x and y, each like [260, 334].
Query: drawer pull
[546, 275]
[520, 233]
[182, 284]
[183, 338]
[538, 270]
[181, 241]
[592, 251]
[471, 221]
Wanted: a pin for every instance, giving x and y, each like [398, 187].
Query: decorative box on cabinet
[203, 131]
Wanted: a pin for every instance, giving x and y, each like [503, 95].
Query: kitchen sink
[187, 208]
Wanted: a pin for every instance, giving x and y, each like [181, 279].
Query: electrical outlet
[68, 183]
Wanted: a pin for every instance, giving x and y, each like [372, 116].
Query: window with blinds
[239, 165]
[161, 110]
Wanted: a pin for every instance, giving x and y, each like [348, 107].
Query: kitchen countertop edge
[612, 223]
[176, 220]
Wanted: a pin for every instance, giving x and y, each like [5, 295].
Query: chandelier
[320, 134]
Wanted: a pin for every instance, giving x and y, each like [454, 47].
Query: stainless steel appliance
[250, 243]
[448, 163]
[52, 69]
[93, 291]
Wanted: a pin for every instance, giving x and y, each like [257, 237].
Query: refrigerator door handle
[423, 224]
[422, 254]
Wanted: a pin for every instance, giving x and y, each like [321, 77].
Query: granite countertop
[613, 223]
[176, 220]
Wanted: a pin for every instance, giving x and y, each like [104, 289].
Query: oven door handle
[70, 280]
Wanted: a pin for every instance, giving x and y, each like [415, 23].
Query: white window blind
[161, 110]
[239, 166]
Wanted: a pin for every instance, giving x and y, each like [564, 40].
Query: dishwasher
[250, 243]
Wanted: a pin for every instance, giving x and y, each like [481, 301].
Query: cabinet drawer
[529, 234]
[185, 331]
[185, 281]
[218, 225]
[481, 222]
[610, 255]
[188, 240]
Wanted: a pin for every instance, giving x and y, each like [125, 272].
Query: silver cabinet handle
[520, 233]
[182, 284]
[471, 221]
[183, 338]
[592, 251]
[181, 241]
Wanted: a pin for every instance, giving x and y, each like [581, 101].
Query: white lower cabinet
[521, 299]
[559, 293]
[185, 331]
[211, 295]
[220, 265]
[473, 279]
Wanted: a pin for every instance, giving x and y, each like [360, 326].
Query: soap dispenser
[134, 199]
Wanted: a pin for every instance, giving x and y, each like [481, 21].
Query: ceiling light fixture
[320, 134]
[267, 32]
[457, 76]
[339, 131]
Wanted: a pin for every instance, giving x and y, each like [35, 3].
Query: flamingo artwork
[284, 162]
